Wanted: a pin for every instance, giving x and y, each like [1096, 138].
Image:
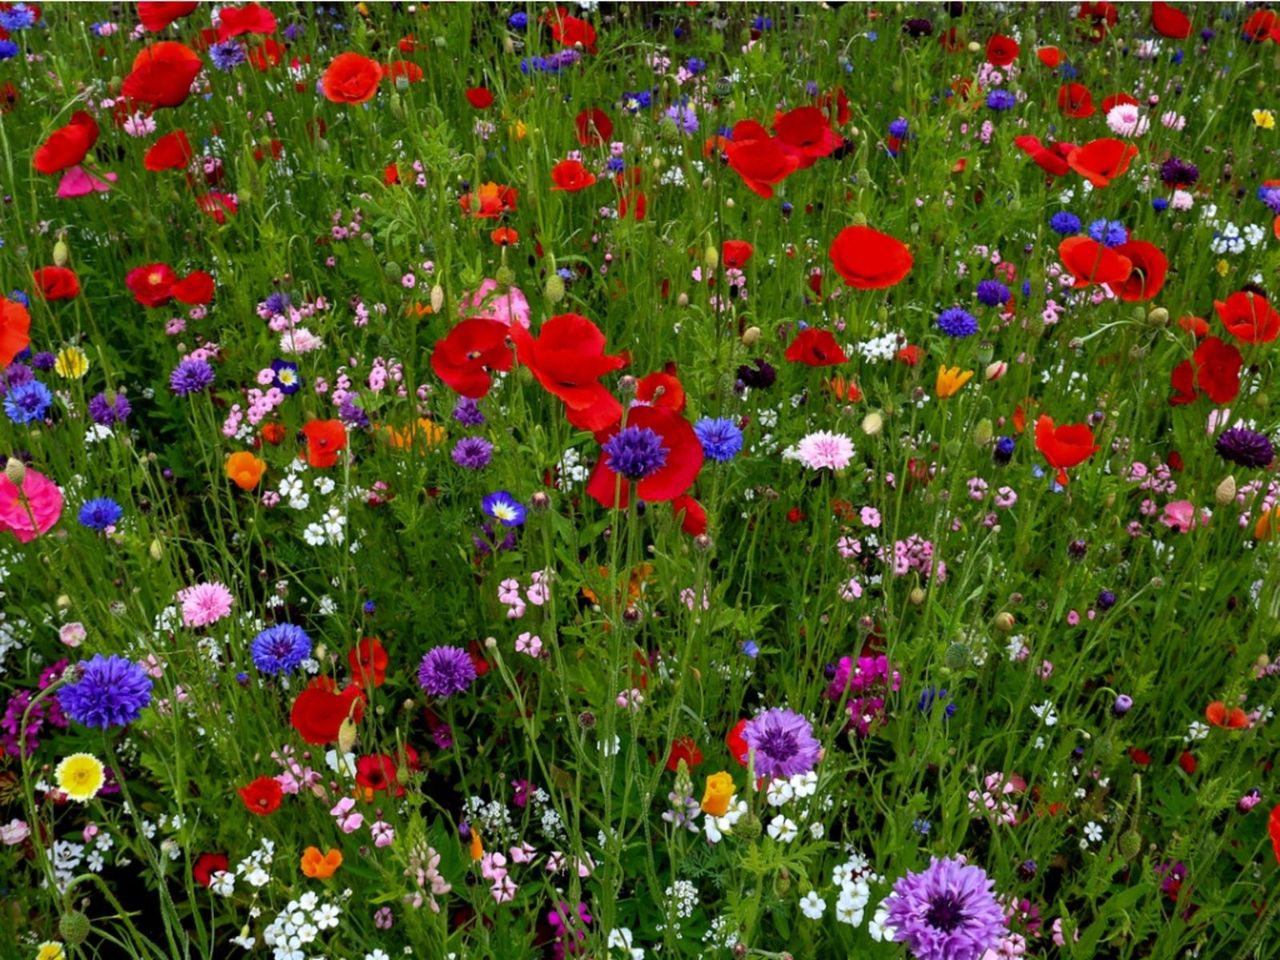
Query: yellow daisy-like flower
[950, 380]
[1264, 119]
[51, 950]
[81, 776]
[71, 363]
[1223, 268]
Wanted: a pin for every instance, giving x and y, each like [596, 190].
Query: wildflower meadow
[620, 481]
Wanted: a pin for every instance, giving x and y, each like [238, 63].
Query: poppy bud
[995, 371]
[782, 882]
[74, 927]
[956, 656]
[682, 300]
[1004, 621]
[750, 336]
[63, 601]
[882, 314]
[403, 774]
[729, 203]
[16, 471]
[554, 289]
[749, 827]
[916, 596]
[702, 542]
[156, 550]
[711, 257]
[860, 218]
[873, 423]
[61, 253]
[1130, 844]
[346, 735]
[983, 432]
[986, 350]
[1225, 492]
[1261, 400]
[437, 298]
[505, 276]
[1158, 317]
[392, 270]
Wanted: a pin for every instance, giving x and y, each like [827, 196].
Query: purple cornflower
[946, 912]
[473, 453]
[467, 412]
[350, 413]
[108, 411]
[227, 55]
[783, 742]
[957, 322]
[1246, 447]
[111, 692]
[445, 671]
[992, 293]
[759, 374]
[683, 117]
[44, 360]
[1000, 100]
[635, 452]
[190, 376]
[898, 128]
[280, 649]
[1176, 172]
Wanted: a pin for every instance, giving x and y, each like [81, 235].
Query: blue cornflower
[695, 65]
[750, 648]
[286, 379]
[518, 21]
[369, 608]
[1109, 233]
[190, 376]
[9, 49]
[100, 513]
[720, 438]
[1271, 197]
[957, 322]
[615, 165]
[1159, 204]
[930, 696]
[17, 17]
[762, 23]
[227, 55]
[1004, 449]
[898, 128]
[280, 649]
[1000, 100]
[467, 412]
[637, 101]
[683, 116]
[1064, 223]
[921, 827]
[292, 32]
[635, 452]
[18, 296]
[992, 293]
[504, 508]
[110, 692]
[27, 401]
[1068, 72]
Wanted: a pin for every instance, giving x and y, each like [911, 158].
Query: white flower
[812, 905]
[848, 910]
[1093, 831]
[879, 926]
[805, 784]
[779, 792]
[378, 954]
[716, 827]
[223, 883]
[783, 829]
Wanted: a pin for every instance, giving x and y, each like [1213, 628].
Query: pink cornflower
[1126, 120]
[825, 450]
[204, 604]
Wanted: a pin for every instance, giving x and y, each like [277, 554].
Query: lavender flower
[473, 453]
[946, 912]
[445, 671]
[227, 55]
[783, 742]
[1246, 447]
[467, 412]
[106, 411]
[111, 692]
[190, 376]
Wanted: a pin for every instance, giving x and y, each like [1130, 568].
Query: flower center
[945, 913]
[635, 452]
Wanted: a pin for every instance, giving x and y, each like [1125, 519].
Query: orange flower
[320, 866]
[505, 237]
[950, 380]
[351, 78]
[245, 470]
[1219, 715]
[424, 430]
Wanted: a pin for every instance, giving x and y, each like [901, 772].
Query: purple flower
[1246, 447]
[957, 322]
[111, 692]
[107, 412]
[190, 376]
[473, 453]
[280, 649]
[783, 742]
[467, 412]
[446, 671]
[635, 452]
[227, 55]
[946, 912]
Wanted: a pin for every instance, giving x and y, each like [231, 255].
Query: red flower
[759, 159]
[324, 439]
[318, 712]
[351, 78]
[1067, 446]
[1140, 757]
[217, 205]
[162, 74]
[686, 749]
[471, 349]
[1075, 100]
[195, 288]
[636, 202]
[491, 201]
[56, 283]
[1146, 279]
[1118, 99]
[1001, 50]
[251, 18]
[910, 355]
[1090, 262]
[1101, 15]
[152, 284]
[1183, 381]
[1101, 161]
[568, 359]
[734, 254]
[1218, 366]
[737, 743]
[1051, 57]
[1273, 830]
[1051, 158]
[1187, 762]
[840, 101]
[409, 71]
[479, 97]
[593, 127]
[376, 772]
[266, 54]
[68, 145]
[570, 31]
[571, 176]
[1218, 715]
[207, 864]
[1248, 317]
[672, 478]
[262, 796]
[869, 259]
[690, 513]
[815, 348]
[368, 662]
[1261, 26]
[662, 389]
[15, 330]
[805, 133]
[171, 152]
[156, 16]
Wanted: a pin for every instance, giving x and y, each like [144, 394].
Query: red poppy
[464, 358]
[869, 259]
[1101, 161]
[571, 176]
[1075, 100]
[351, 78]
[759, 159]
[217, 205]
[325, 438]
[1183, 381]
[593, 127]
[636, 202]
[1260, 26]
[273, 433]
[1187, 761]
[504, 237]
[56, 283]
[318, 712]
[1066, 446]
[489, 202]
[195, 288]
[207, 864]
[376, 772]
[1196, 326]
[568, 359]
[409, 71]
[1051, 57]
[1001, 50]
[266, 54]
[68, 145]
[1118, 100]
[479, 97]
[15, 330]
[662, 389]
[737, 743]
[1248, 317]
[151, 284]
[1146, 279]
[806, 134]
[910, 355]
[1140, 757]
[1100, 15]
[368, 662]
[734, 254]
[171, 152]
[162, 74]
[1091, 262]
[686, 749]
[1217, 369]
[815, 348]
[1273, 830]
[570, 31]
[1051, 158]
[690, 513]
[156, 16]
[840, 101]
[251, 18]
[1232, 719]
[683, 460]
[262, 796]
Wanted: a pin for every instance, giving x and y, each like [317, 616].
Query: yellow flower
[80, 776]
[71, 363]
[51, 950]
[1264, 119]
[1223, 268]
[715, 800]
[950, 380]
[518, 130]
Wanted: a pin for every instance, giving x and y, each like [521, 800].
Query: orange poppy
[245, 470]
[1218, 715]
[320, 866]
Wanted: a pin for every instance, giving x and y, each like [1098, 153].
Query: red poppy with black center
[67, 146]
[1248, 317]
[1261, 26]
[325, 438]
[594, 128]
[162, 74]
[1146, 279]
[815, 348]
[568, 359]
[376, 772]
[868, 259]
[171, 152]
[207, 864]
[465, 357]
[734, 254]
[1002, 50]
[319, 710]
[156, 16]
[760, 160]
[1220, 715]
[571, 176]
[1051, 57]
[1075, 100]
[662, 389]
[1101, 161]
[56, 283]
[657, 451]
[262, 796]
[806, 134]
[1092, 262]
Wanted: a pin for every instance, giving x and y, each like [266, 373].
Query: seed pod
[1225, 491]
[983, 432]
[392, 270]
[1130, 844]
[437, 298]
[956, 656]
[1158, 317]
[554, 289]
[61, 253]
[74, 927]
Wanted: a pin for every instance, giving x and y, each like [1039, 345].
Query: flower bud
[1158, 317]
[873, 423]
[1225, 492]
[74, 927]
[391, 270]
[1004, 621]
[916, 596]
[1130, 844]
[554, 289]
[682, 300]
[983, 432]
[711, 258]
[750, 336]
[346, 735]
[505, 276]
[994, 371]
[956, 656]
[61, 253]
[437, 298]
[156, 550]
[16, 471]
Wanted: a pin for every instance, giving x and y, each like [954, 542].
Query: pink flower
[506, 306]
[204, 603]
[77, 182]
[824, 450]
[33, 510]
[1179, 515]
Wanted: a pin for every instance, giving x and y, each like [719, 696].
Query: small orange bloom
[320, 866]
[505, 237]
[424, 431]
[245, 470]
[1219, 715]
